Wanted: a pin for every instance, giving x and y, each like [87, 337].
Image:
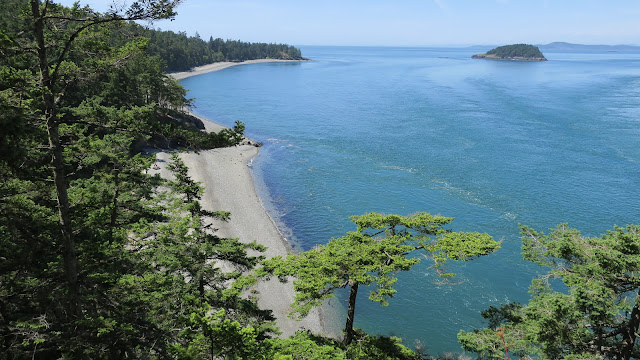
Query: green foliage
[372, 256]
[367, 346]
[516, 51]
[181, 52]
[595, 313]
[98, 259]
[356, 258]
[307, 346]
[224, 138]
[231, 339]
[304, 345]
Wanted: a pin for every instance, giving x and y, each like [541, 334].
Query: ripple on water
[400, 131]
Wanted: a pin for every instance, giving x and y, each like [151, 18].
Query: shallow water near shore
[401, 130]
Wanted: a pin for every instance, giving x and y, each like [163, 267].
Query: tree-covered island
[516, 52]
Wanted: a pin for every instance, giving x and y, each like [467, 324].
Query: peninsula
[516, 52]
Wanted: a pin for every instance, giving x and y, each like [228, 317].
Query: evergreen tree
[594, 315]
[371, 255]
[209, 317]
[181, 52]
[77, 100]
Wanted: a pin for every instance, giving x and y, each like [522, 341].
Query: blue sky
[407, 22]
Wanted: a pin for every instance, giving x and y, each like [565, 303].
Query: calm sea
[402, 130]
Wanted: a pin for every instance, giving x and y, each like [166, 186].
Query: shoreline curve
[230, 186]
[199, 70]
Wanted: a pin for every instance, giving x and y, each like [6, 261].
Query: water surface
[402, 130]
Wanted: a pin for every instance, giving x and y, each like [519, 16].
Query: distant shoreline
[199, 70]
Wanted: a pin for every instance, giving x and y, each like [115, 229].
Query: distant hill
[560, 46]
[577, 47]
[516, 52]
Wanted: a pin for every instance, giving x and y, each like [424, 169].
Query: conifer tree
[76, 105]
[594, 315]
[371, 256]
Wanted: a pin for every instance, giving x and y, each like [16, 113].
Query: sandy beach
[221, 65]
[229, 186]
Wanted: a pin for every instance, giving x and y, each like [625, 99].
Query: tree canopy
[97, 257]
[180, 52]
[371, 256]
[586, 306]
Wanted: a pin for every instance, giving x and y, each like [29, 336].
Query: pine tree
[371, 256]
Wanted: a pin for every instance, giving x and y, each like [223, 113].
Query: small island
[516, 52]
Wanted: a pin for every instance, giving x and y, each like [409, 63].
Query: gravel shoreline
[221, 65]
[229, 186]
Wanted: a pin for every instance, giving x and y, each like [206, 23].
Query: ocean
[403, 130]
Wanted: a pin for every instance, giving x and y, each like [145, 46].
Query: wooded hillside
[181, 52]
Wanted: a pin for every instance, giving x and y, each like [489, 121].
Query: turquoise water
[401, 130]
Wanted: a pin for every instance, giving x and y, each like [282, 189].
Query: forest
[520, 50]
[99, 259]
[181, 52]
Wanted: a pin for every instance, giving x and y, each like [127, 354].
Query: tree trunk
[200, 282]
[631, 332]
[57, 162]
[114, 202]
[348, 329]
[64, 214]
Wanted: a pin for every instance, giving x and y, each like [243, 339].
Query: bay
[402, 130]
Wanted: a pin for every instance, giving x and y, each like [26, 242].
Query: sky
[405, 22]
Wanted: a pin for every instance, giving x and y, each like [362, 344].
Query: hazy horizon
[406, 22]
